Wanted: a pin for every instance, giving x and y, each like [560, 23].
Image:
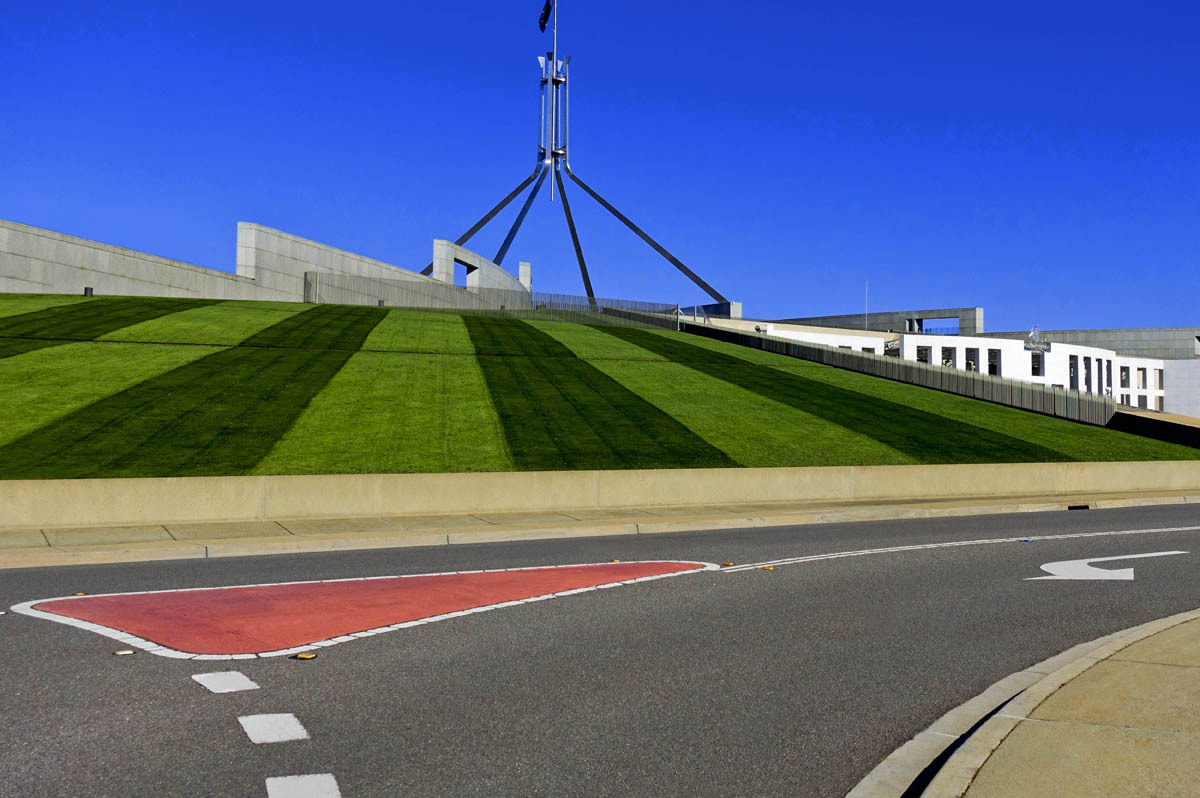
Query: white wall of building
[1135, 381]
[858, 340]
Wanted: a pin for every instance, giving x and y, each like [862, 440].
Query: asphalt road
[794, 681]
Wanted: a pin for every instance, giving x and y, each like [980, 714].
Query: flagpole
[553, 99]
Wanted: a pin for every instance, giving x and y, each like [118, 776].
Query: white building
[1134, 381]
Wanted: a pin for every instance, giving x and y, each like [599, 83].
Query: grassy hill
[125, 387]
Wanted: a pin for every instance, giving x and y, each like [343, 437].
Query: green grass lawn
[1068, 439]
[82, 321]
[15, 304]
[134, 386]
[222, 324]
[40, 387]
[395, 413]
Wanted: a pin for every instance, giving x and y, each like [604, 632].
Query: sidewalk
[32, 547]
[1122, 720]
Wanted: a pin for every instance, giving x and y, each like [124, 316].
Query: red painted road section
[258, 619]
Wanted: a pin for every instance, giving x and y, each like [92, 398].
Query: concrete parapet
[36, 504]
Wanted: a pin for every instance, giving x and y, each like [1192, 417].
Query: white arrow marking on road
[1082, 569]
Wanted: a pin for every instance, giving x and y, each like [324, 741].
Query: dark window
[1036, 364]
[1125, 377]
[972, 360]
[994, 362]
[922, 354]
[1073, 371]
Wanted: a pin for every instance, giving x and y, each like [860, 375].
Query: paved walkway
[1121, 720]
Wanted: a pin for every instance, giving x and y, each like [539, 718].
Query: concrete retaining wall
[37, 261]
[277, 261]
[116, 502]
[270, 265]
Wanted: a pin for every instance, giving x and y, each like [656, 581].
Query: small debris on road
[305, 655]
[726, 564]
[124, 652]
[768, 568]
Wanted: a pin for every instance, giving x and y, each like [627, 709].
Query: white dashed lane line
[278, 728]
[318, 785]
[225, 681]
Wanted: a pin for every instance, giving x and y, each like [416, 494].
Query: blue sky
[1039, 159]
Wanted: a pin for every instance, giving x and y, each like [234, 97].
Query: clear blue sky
[1039, 159]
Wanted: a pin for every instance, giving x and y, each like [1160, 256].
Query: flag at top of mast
[545, 17]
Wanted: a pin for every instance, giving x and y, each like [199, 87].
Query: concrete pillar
[525, 275]
[443, 261]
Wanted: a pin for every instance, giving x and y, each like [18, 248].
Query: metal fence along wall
[344, 289]
[1073, 405]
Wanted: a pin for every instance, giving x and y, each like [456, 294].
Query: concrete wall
[276, 261]
[481, 272]
[1159, 342]
[115, 502]
[970, 320]
[270, 265]
[33, 260]
[1183, 387]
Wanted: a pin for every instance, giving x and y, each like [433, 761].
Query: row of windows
[1037, 368]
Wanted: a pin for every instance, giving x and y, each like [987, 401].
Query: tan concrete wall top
[116, 502]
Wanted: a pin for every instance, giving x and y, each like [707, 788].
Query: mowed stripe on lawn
[926, 437]
[559, 412]
[754, 430]
[83, 321]
[220, 414]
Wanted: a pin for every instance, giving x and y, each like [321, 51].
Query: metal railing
[1045, 399]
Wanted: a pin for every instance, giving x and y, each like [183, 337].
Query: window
[1142, 401]
[1108, 379]
[994, 362]
[869, 349]
[1037, 366]
[922, 354]
[1125, 399]
[948, 357]
[845, 347]
[1141, 379]
[1125, 377]
[972, 360]
[1158, 403]
[1087, 374]
[1073, 371]
[1158, 380]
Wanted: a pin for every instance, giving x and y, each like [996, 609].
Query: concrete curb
[1023, 691]
[32, 548]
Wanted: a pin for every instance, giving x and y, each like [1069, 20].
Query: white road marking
[27, 608]
[317, 785]
[950, 544]
[279, 728]
[225, 681]
[1082, 569]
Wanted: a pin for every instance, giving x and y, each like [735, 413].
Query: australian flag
[545, 17]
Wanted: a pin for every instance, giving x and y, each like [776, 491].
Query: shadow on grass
[560, 412]
[927, 437]
[84, 321]
[220, 414]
